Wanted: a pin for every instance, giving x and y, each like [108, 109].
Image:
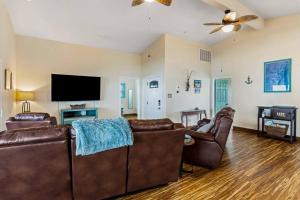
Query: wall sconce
[25, 96]
[249, 81]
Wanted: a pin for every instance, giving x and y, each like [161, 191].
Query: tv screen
[75, 88]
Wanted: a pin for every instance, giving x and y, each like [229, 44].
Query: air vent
[205, 55]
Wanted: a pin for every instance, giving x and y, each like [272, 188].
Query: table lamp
[25, 96]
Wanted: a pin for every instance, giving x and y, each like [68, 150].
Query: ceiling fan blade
[212, 24]
[216, 29]
[137, 2]
[246, 18]
[165, 2]
[237, 27]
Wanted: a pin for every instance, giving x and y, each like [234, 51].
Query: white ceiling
[273, 8]
[115, 24]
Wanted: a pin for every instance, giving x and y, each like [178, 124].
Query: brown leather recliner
[35, 164]
[30, 120]
[209, 147]
[156, 155]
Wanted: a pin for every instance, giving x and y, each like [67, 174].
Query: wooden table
[188, 113]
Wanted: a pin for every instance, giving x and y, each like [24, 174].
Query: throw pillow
[207, 127]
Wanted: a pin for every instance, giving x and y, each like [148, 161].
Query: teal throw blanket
[94, 136]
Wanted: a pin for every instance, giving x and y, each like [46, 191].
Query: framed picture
[277, 76]
[7, 79]
[197, 86]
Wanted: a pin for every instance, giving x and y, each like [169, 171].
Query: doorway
[152, 98]
[222, 94]
[129, 97]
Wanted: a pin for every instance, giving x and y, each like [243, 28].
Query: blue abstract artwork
[278, 76]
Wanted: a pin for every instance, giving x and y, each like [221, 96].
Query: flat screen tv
[75, 88]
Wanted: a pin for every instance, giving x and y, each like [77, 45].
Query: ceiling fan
[139, 2]
[231, 22]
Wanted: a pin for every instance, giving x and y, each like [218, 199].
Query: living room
[182, 76]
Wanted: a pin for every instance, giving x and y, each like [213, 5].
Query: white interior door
[153, 98]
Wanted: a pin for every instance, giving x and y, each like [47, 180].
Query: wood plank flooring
[252, 168]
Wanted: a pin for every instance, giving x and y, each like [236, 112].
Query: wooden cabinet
[67, 116]
[284, 114]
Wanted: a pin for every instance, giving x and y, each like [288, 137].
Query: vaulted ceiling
[115, 24]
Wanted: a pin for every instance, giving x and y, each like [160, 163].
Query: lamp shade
[25, 96]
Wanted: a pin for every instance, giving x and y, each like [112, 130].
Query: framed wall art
[277, 76]
[7, 79]
[197, 86]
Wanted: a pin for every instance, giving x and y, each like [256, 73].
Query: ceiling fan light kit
[139, 2]
[228, 28]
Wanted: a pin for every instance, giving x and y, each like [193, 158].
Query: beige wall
[8, 61]
[183, 55]
[154, 66]
[245, 53]
[38, 58]
[170, 58]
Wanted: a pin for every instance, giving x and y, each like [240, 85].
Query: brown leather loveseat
[40, 163]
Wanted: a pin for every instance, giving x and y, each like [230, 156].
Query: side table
[185, 114]
[188, 141]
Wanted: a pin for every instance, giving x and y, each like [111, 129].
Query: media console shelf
[67, 116]
[277, 113]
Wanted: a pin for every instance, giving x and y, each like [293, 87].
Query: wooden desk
[188, 113]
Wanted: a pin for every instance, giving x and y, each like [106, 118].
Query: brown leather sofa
[209, 147]
[153, 160]
[40, 163]
[30, 120]
[34, 164]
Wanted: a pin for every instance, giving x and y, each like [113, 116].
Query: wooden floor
[252, 168]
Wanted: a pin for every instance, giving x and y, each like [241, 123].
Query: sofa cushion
[151, 125]
[31, 116]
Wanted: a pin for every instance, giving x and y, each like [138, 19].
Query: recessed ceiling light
[149, 1]
[28, 0]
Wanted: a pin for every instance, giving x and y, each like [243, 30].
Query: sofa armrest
[11, 119]
[201, 136]
[53, 121]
